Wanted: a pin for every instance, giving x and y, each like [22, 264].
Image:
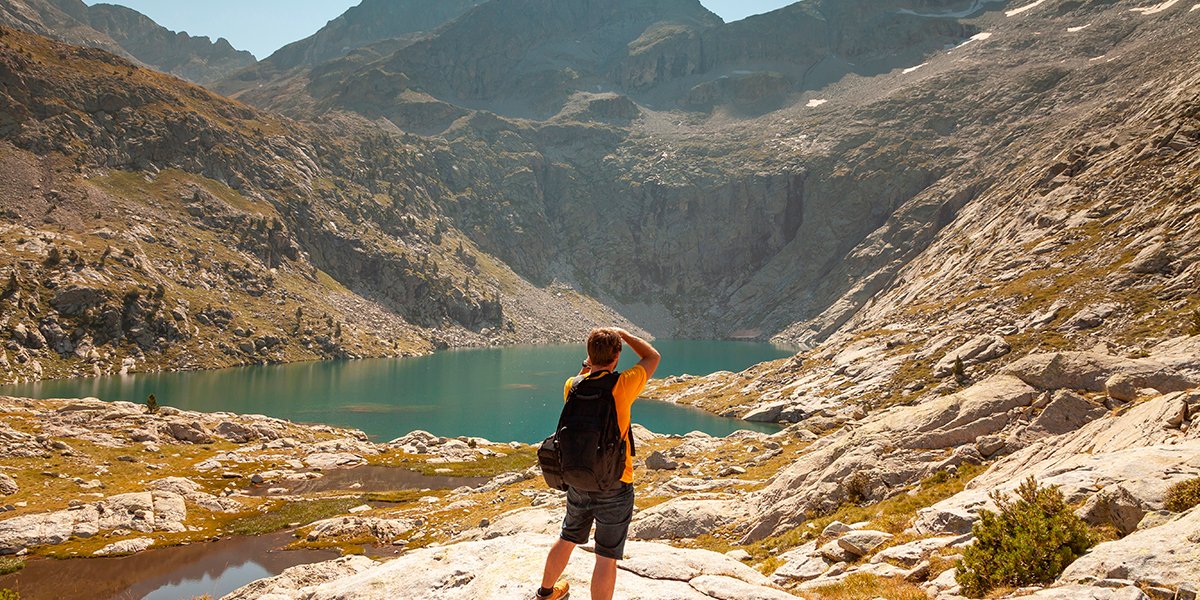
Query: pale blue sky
[263, 26]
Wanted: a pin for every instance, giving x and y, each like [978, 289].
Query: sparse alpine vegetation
[1030, 539]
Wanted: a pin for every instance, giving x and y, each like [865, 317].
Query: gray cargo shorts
[611, 511]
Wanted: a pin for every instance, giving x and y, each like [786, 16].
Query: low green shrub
[1183, 495]
[1029, 541]
[7, 594]
[10, 564]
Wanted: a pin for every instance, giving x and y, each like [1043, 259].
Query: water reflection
[215, 569]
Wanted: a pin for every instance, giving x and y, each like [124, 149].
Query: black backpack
[587, 450]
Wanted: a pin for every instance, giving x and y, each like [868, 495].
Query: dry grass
[868, 587]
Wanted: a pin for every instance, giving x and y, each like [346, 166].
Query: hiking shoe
[561, 590]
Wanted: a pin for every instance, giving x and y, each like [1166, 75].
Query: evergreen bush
[1183, 495]
[7, 594]
[1029, 541]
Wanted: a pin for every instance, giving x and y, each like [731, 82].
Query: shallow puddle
[213, 568]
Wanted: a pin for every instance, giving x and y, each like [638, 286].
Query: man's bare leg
[604, 578]
[556, 562]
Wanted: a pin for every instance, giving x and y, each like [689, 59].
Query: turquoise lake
[502, 394]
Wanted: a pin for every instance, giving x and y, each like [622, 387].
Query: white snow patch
[815, 102]
[1016, 11]
[1196, 7]
[1150, 10]
[911, 69]
[1080, 28]
[979, 37]
[960, 14]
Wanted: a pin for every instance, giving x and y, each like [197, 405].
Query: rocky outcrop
[686, 517]
[1117, 465]
[1166, 556]
[146, 512]
[507, 566]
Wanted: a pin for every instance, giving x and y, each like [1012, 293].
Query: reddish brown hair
[603, 346]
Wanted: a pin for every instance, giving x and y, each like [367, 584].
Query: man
[611, 510]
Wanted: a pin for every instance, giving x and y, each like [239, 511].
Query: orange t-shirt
[629, 385]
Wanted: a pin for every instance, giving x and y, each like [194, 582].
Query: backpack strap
[615, 376]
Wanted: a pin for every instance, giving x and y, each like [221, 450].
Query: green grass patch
[1183, 495]
[10, 564]
[396, 496]
[280, 517]
[515, 460]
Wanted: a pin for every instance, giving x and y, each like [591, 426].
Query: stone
[25, 531]
[685, 517]
[835, 529]
[657, 461]
[978, 350]
[1092, 316]
[1152, 259]
[1088, 592]
[913, 553]
[333, 460]
[187, 432]
[8, 486]
[862, 542]
[1167, 555]
[1066, 412]
[800, 564]
[835, 552]
[124, 547]
[722, 587]
[235, 432]
[1114, 506]
[384, 530]
[291, 580]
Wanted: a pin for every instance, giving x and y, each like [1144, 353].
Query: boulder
[722, 587]
[911, 554]
[861, 542]
[1152, 259]
[977, 350]
[333, 460]
[1092, 316]
[1167, 555]
[187, 432]
[686, 517]
[1088, 592]
[800, 564]
[836, 553]
[8, 486]
[657, 461]
[19, 533]
[1114, 506]
[384, 530]
[291, 580]
[123, 547]
[1066, 412]
[1089, 371]
[235, 432]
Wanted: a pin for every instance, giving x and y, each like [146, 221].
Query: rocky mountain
[977, 221]
[127, 33]
[151, 224]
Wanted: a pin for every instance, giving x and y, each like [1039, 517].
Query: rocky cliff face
[127, 33]
[150, 224]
